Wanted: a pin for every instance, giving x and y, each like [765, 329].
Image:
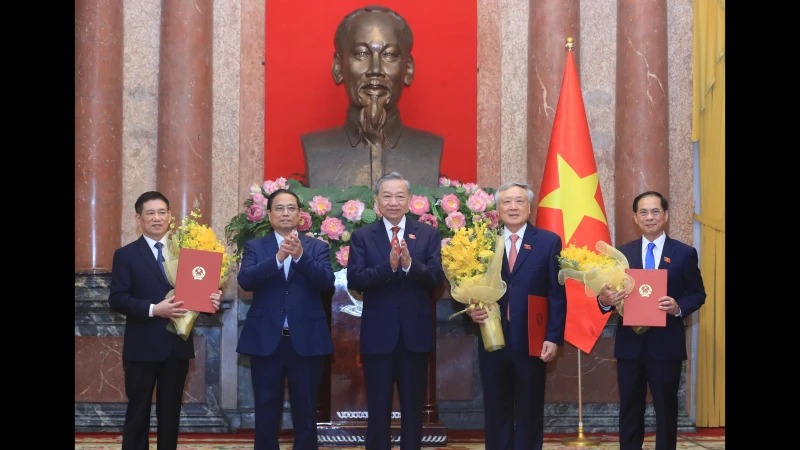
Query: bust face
[375, 61]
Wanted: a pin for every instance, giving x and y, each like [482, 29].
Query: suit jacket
[535, 272]
[395, 302]
[337, 156]
[684, 284]
[137, 282]
[300, 297]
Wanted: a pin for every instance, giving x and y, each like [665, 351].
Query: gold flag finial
[570, 43]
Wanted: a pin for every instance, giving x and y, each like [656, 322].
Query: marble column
[642, 110]
[185, 115]
[98, 133]
[551, 23]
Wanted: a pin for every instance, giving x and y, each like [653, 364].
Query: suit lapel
[410, 234]
[666, 254]
[525, 249]
[149, 259]
[381, 238]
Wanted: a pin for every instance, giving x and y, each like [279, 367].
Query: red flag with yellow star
[571, 203]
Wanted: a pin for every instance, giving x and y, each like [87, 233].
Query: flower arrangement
[597, 269]
[191, 234]
[592, 269]
[472, 260]
[332, 214]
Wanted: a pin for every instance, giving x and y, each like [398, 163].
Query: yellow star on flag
[575, 197]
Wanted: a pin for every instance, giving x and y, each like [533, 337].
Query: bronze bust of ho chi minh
[373, 59]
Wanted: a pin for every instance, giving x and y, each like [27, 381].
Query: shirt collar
[659, 241]
[389, 225]
[520, 232]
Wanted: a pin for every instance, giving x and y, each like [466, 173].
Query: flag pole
[580, 440]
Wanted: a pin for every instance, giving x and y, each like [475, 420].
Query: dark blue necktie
[160, 259]
[649, 259]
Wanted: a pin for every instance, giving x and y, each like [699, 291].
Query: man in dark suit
[655, 357]
[373, 59]
[152, 357]
[513, 380]
[395, 262]
[286, 331]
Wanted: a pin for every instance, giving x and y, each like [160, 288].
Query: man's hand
[478, 315]
[609, 296]
[394, 256]
[549, 351]
[169, 308]
[215, 297]
[405, 257]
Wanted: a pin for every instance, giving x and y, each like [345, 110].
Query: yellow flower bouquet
[472, 260]
[191, 234]
[595, 270]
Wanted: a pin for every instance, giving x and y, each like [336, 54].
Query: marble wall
[218, 393]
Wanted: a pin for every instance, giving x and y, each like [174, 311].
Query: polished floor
[703, 439]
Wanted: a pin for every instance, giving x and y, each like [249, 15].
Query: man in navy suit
[395, 262]
[655, 357]
[152, 357]
[513, 381]
[286, 332]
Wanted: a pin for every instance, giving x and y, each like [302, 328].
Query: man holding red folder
[513, 377]
[655, 357]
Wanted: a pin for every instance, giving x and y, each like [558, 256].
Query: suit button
[283, 310]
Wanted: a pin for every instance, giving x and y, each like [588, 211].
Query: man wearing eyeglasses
[286, 333]
[655, 357]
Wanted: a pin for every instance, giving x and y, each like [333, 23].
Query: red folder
[537, 323]
[641, 305]
[197, 279]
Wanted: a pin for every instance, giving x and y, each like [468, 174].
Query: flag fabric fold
[571, 202]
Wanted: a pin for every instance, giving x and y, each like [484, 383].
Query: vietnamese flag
[571, 203]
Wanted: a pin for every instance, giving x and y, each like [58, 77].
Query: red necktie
[512, 258]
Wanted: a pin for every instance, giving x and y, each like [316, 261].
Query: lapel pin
[526, 246]
[667, 260]
[412, 236]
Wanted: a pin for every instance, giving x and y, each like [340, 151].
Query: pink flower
[255, 189]
[419, 204]
[320, 205]
[272, 186]
[444, 181]
[450, 203]
[332, 227]
[486, 196]
[494, 218]
[305, 221]
[255, 213]
[430, 219]
[455, 183]
[352, 210]
[258, 198]
[469, 188]
[342, 255]
[476, 203]
[445, 241]
[455, 220]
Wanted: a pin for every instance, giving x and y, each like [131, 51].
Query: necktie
[512, 258]
[649, 259]
[160, 259]
[395, 240]
[512, 252]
